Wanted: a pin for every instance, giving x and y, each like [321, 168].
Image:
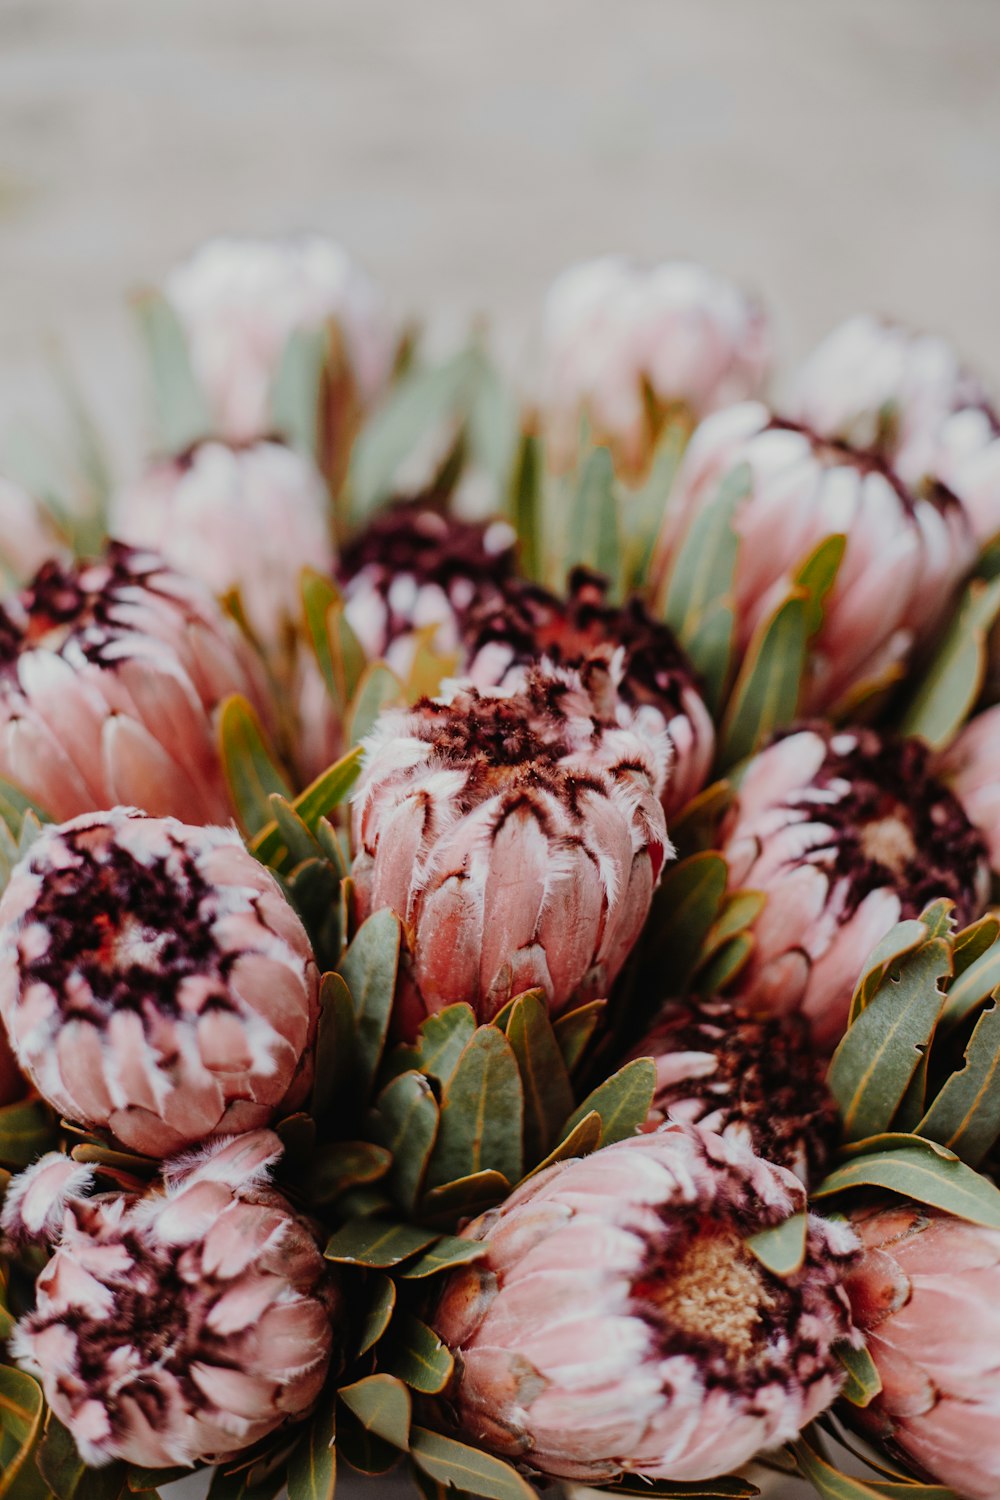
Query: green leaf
[378, 688]
[863, 1379]
[338, 652]
[584, 1138]
[482, 1113]
[408, 1115]
[878, 1055]
[336, 1040]
[951, 684]
[59, 1461]
[368, 968]
[781, 1249]
[382, 1405]
[548, 1093]
[643, 509]
[295, 389]
[829, 1483]
[979, 981]
[376, 1243]
[723, 967]
[685, 907]
[575, 1029]
[899, 941]
[317, 801]
[417, 1356]
[526, 491]
[765, 696]
[449, 1251]
[442, 1039]
[431, 1490]
[250, 768]
[973, 941]
[464, 1197]
[312, 1468]
[492, 424]
[817, 575]
[26, 1131]
[939, 918]
[182, 414]
[363, 1450]
[739, 912]
[919, 1171]
[965, 1115]
[336, 1166]
[729, 1487]
[593, 540]
[21, 1407]
[452, 1463]
[623, 1101]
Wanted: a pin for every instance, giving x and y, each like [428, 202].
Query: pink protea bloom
[625, 657]
[518, 838]
[618, 1323]
[241, 300]
[847, 832]
[926, 1295]
[623, 345]
[249, 518]
[905, 557]
[413, 569]
[971, 767]
[751, 1078]
[908, 397]
[155, 982]
[111, 673]
[182, 1326]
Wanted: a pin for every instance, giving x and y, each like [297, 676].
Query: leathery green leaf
[375, 1243]
[919, 1171]
[382, 1405]
[781, 1249]
[417, 1356]
[378, 688]
[965, 1115]
[368, 968]
[182, 414]
[250, 768]
[21, 1407]
[623, 1101]
[765, 695]
[701, 579]
[685, 906]
[978, 982]
[899, 941]
[442, 1040]
[408, 1114]
[464, 1197]
[951, 685]
[575, 1029]
[593, 540]
[312, 1468]
[863, 1379]
[548, 1093]
[452, 1463]
[584, 1138]
[447, 1252]
[380, 1306]
[482, 1113]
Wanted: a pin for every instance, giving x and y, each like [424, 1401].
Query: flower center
[715, 1289]
[889, 841]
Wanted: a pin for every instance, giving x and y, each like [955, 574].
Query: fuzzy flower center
[714, 1289]
[889, 841]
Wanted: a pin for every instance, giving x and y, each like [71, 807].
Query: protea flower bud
[182, 1326]
[110, 675]
[27, 537]
[904, 558]
[618, 1322]
[971, 767]
[625, 659]
[623, 346]
[246, 518]
[753, 1079]
[847, 832]
[154, 980]
[518, 838]
[240, 301]
[413, 568]
[926, 1294]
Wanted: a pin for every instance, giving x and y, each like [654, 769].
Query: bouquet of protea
[498, 978]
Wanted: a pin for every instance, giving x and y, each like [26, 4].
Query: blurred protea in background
[971, 767]
[155, 982]
[904, 558]
[625, 348]
[111, 673]
[926, 1295]
[181, 1326]
[846, 832]
[619, 1322]
[517, 837]
[753, 1079]
[240, 301]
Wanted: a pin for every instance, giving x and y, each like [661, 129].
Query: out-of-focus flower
[926, 1295]
[847, 832]
[904, 559]
[753, 1079]
[907, 397]
[617, 1321]
[623, 346]
[110, 676]
[182, 1326]
[518, 838]
[27, 537]
[971, 767]
[240, 301]
[154, 981]
[246, 518]
[413, 568]
[625, 658]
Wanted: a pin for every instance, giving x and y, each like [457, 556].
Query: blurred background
[835, 156]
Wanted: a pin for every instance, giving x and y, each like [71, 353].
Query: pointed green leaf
[979, 981]
[685, 906]
[442, 1040]
[973, 941]
[575, 1029]
[339, 1165]
[739, 911]
[781, 1249]
[965, 1115]
[363, 1450]
[699, 593]
[336, 1040]
[900, 940]
[728, 1487]
[368, 968]
[724, 965]
[182, 414]
[548, 1093]
[430, 1489]
[417, 1356]
[951, 684]
[818, 574]
[312, 1468]
[250, 768]
[623, 1101]
[382, 1405]
[378, 688]
[584, 1138]
[863, 1379]
[482, 1113]
[452, 1463]
[492, 424]
[464, 1197]
[376, 1243]
[317, 801]
[26, 1131]
[878, 1055]
[525, 505]
[829, 1483]
[919, 1171]
[21, 1407]
[765, 696]
[295, 390]
[447, 1252]
[939, 918]
[408, 1126]
[593, 540]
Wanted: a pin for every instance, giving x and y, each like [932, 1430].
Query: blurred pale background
[834, 155]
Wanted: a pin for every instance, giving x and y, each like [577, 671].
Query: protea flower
[110, 676]
[27, 536]
[625, 658]
[619, 1323]
[971, 767]
[908, 398]
[926, 1294]
[518, 838]
[623, 346]
[904, 559]
[240, 301]
[414, 568]
[247, 518]
[154, 980]
[181, 1326]
[753, 1079]
[847, 832]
